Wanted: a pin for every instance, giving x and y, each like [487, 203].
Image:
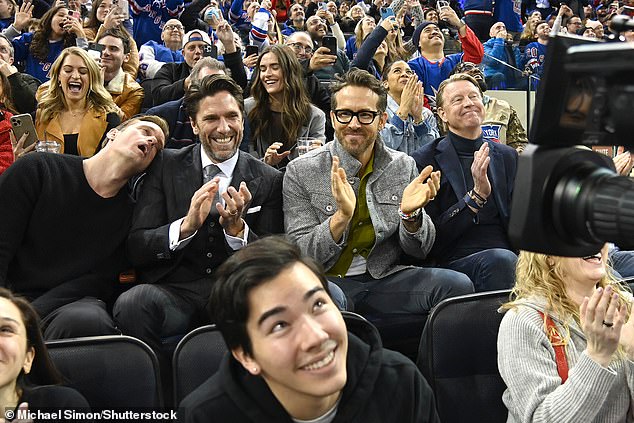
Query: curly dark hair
[39, 45]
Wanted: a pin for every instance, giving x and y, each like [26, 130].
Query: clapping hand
[236, 203]
[342, 190]
[602, 318]
[421, 190]
[481, 161]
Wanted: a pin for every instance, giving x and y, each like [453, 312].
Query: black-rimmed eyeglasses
[365, 117]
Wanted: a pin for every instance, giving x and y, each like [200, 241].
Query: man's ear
[194, 126]
[246, 360]
[126, 57]
[441, 114]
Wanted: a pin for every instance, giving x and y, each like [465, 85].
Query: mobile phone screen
[386, 12]
[74, 14]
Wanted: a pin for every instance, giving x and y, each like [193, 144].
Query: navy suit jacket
[450, 213]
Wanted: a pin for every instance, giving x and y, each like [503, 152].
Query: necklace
[77, 113]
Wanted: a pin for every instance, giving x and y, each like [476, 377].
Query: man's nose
[312, 333]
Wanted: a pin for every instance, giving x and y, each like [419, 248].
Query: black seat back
[458, 356]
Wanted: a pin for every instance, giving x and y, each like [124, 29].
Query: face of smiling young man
[299, 342]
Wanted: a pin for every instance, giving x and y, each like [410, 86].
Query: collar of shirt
[227, 167]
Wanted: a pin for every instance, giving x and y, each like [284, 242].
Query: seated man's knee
[499, 271]
[456, 283]
[502, 259]
[81, 318]
[136, 301]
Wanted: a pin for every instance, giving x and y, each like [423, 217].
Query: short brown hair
[211, 85]
[157, 120]
[454, 78]
[358, 78]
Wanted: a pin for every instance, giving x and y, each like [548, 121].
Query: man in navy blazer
[472, 208]
[197, 206]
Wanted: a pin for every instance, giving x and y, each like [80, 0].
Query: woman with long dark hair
[28, 374]
[38, 50]
[279, 110]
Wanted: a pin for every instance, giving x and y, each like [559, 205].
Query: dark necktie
[208, 174]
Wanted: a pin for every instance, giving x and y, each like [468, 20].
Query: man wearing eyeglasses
[153, 55]
[323, 64]
[359, 219]
[302, 46]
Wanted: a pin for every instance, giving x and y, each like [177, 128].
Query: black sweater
[59, 241]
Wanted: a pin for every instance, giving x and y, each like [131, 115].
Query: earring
[254, 370]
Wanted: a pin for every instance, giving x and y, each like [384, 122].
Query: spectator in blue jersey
[478, 14]
[432, 67]
[7, 10]
[154, 55]
[297, 21]
[364, 27]
[498, 76]
[38, 50]
[509, 12]
[240, 15]
[535, 53]
[149, 17]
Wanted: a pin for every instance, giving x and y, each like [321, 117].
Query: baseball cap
[196, 35]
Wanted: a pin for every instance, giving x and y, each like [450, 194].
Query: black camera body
[567, 199]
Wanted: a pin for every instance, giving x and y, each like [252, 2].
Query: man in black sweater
[472, 208]
[63, 223]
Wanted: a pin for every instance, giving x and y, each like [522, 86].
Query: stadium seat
[196, 358]
[458, 357]
[112, 372]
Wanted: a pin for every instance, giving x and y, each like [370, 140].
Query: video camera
[567, 199]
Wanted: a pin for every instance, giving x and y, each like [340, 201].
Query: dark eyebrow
[280, 309]
[10, 320]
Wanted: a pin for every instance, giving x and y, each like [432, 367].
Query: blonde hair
[358, 31]
[53, 101]
[540, 275]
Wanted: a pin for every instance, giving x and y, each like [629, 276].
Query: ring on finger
[608, 324]
[233, 213]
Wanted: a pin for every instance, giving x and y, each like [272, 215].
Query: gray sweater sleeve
[526, 360]
[416, 244]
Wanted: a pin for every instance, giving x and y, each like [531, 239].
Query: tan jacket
[93, 128]
[126, 93]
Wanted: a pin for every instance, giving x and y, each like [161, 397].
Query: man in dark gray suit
[197, 206]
